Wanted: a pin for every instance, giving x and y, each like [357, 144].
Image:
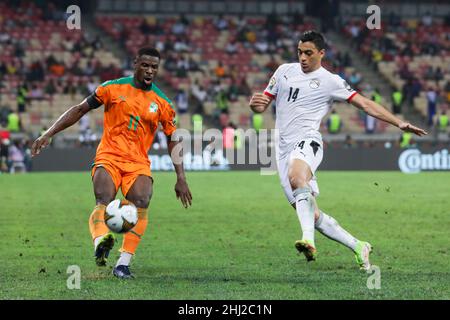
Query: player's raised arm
[260, 102]
[377, 111]
[66, 120]
[182, 191]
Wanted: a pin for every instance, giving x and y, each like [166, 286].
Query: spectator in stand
[416, 88]
[431, 100]
[370, 124]
[442, 122]
[4, 147]
[397, 100]
[181, 45]
[182, 67]
[355, 80]
[4, 132]
[221, 23]
[145, 27]
[334, 123]
[86, 137]
[233, 91]
[36, 72]
[346, 60]
[261, 45]
[222, 101]
[199, 93]
[21, 97]
[13, 122]
[50, 89]
[16, 157]
[91, 86]
[220, 70]
[36, 92]
[70, 89]
[233, 73]
[231, 47]
[250, 36]
[438, 75]
[447, 90]
[179, 28]
[244, 88]
[171, 63]
[193, 65]
[427, 19]
[182, 101]
[57, 69]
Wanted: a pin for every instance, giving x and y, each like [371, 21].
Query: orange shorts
[123, 174]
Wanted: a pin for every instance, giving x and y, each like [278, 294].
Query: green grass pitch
[235, 242]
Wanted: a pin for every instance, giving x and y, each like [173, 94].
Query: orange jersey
[131, 118]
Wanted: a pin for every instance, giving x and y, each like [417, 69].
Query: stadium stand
[218, 60]
[412, 55]
[235, 55]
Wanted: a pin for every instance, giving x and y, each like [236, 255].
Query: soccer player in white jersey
[304, 93]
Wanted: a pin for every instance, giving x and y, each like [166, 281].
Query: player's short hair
[148, 51]
[314, 37]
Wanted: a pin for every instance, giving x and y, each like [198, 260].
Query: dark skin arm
[181, 187]
[66, 120]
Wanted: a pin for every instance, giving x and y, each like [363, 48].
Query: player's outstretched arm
[182, 191]
[66, 120]
[377, 111]
[259, 102]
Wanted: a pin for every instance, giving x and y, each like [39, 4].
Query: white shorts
[308, 150]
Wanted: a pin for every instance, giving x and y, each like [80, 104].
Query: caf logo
[272, 83]
[153, 107]
[314, 83]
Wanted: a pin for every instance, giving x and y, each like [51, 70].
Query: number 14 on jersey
[293, 93]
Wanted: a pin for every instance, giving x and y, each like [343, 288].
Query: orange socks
[97, 225]
[132, 238]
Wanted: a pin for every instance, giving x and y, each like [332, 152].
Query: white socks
[305, 212]
[330, 228]
[326, 225]
[125, 257]
[124, 260]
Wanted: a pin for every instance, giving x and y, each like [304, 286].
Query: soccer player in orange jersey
[133, 108]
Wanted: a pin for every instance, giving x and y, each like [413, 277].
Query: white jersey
[302, 100]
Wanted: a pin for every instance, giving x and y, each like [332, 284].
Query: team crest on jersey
[272, 83]
[314, 83]
[153, 107]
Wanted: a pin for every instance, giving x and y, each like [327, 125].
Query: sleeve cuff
[351, 97]
[269, 95]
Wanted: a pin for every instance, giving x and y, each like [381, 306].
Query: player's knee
[103, 197]
[140, 201]
[298, 181]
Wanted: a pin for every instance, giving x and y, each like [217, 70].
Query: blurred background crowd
[212, 62]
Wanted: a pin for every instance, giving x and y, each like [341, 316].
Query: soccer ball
[121, 216]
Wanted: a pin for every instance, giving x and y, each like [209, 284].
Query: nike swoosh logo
[302, 200]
